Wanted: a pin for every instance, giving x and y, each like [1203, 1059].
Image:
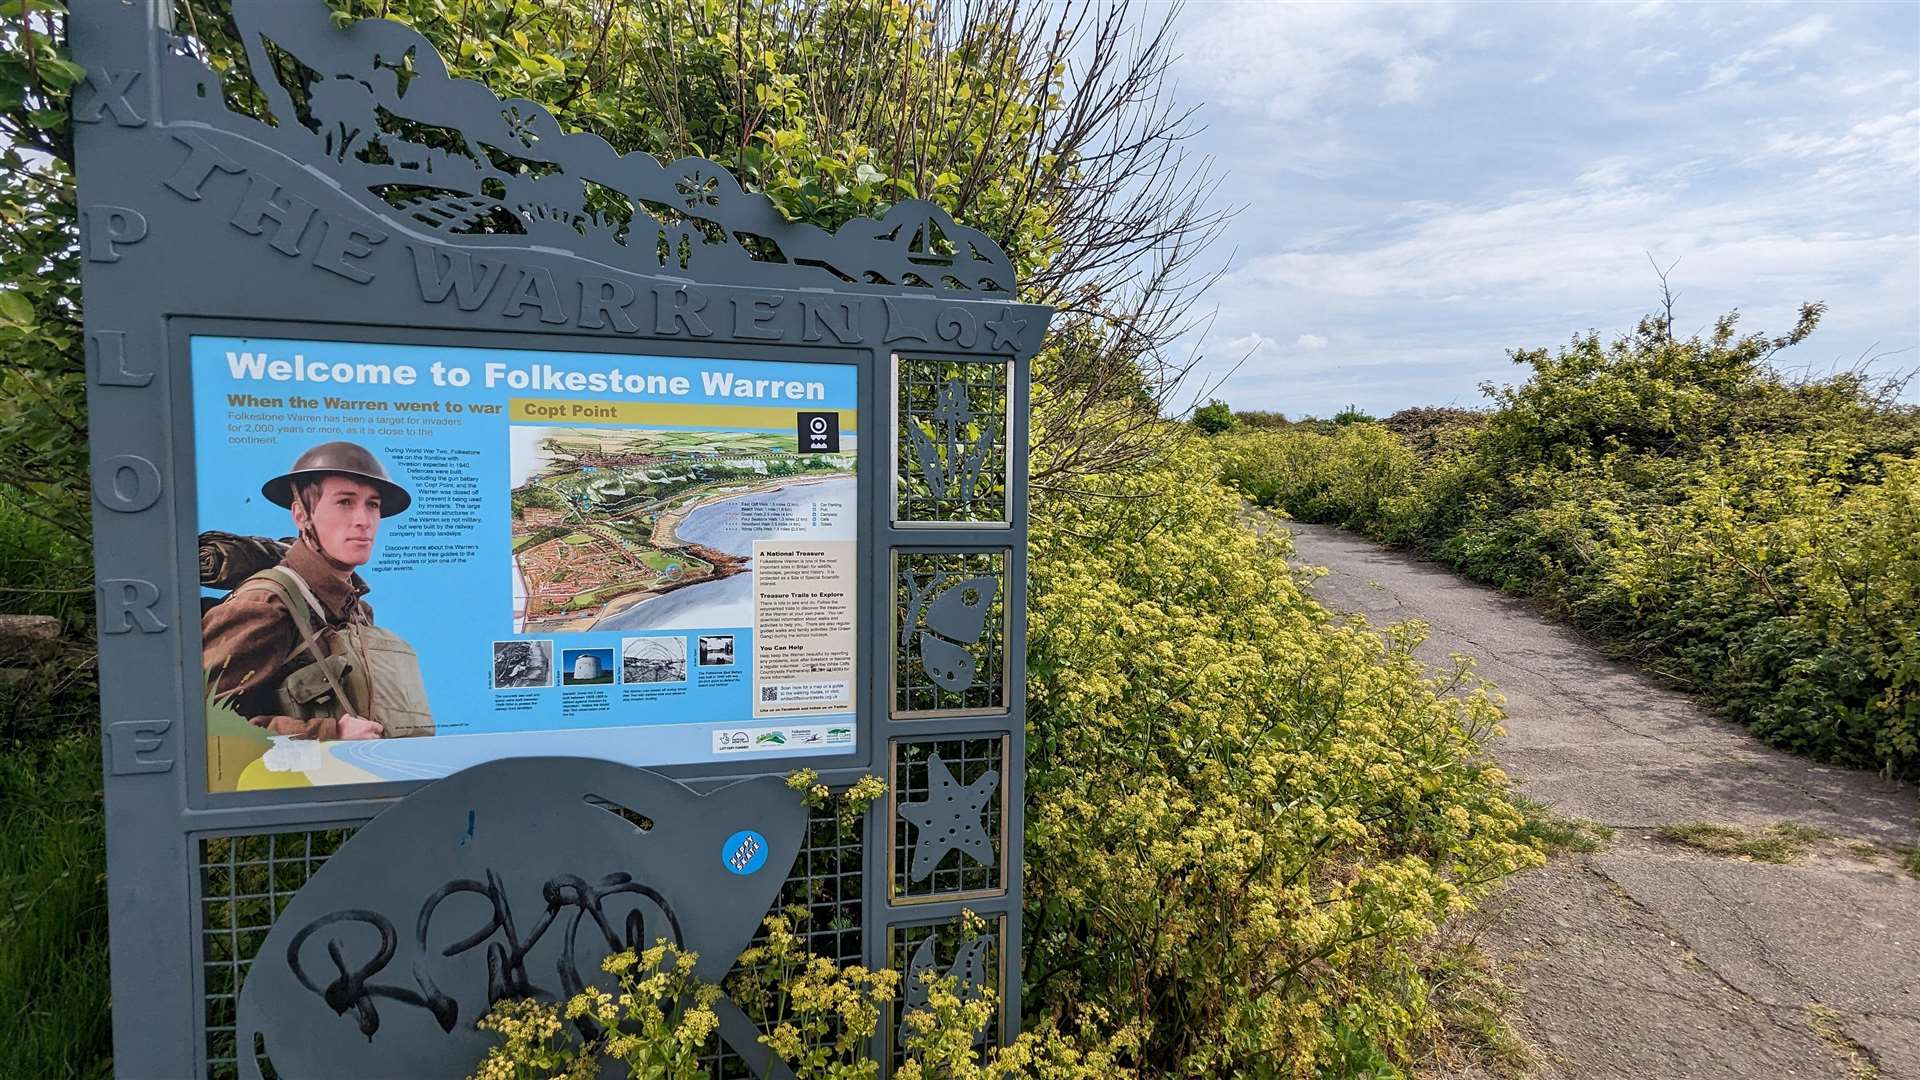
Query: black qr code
[769, 693]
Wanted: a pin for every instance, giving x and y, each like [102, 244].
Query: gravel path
[1649, 959]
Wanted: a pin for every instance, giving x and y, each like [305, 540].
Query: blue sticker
[744, 852]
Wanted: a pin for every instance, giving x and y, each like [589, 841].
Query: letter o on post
[126, 483]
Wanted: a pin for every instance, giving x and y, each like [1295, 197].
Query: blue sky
[1429, 185]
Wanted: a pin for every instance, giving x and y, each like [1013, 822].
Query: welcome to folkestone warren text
[533, 376]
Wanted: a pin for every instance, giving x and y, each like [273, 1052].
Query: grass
[53, 918]
[1906, 859]
[1474, 1008]
[1555, 835]
[54, 1014]
[1826, 1024]
[1785, 842]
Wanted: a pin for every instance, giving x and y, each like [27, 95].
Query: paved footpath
[1649, 960]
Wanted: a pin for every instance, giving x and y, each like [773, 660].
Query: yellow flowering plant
[849, 805]
[657, 1024]
[1244, 815]
[815, 1015]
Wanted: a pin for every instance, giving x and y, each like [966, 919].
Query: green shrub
[816, 1017]
[53, 914]
[1262, 421]
[1243, 816]
[1214, 417]
[1352, 475]
[1755, 536]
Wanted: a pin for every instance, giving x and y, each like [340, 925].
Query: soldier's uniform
[250, 645]
[293, 648]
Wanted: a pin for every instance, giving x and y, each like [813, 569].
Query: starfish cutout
[1006, 330]
[949, 820]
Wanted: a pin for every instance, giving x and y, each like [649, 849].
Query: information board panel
[644, 559]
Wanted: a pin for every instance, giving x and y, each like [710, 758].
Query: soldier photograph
[293, 647]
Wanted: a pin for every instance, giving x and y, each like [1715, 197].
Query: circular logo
[744, 852]
[818, 425]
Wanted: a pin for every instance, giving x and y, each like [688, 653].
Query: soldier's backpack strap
[301, 604]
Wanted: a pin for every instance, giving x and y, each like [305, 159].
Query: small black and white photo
[716, 650]
[520, 665]
[653, 659]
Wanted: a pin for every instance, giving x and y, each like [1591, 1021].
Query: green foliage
[43, 453]
[816, 1017]
[656, 1026]
[1242, 815]
[1756, 537]
[1349, 475]
[1554, 834]
[1262, 421]
[1214, 417]
[53, 915]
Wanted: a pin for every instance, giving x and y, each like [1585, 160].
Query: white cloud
[1890, 141]
[1807, 31]
[1530, 163]
[1406, 76]
[1286, 59]
[1234, 349]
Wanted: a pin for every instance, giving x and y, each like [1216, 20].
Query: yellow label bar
[658, 414]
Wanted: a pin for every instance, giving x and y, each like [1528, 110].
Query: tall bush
[1243, 816]
[1748, 533]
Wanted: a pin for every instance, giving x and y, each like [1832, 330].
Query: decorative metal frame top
[383, 119]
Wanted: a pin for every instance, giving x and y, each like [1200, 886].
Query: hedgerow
[1243, 816]
[1755, 536]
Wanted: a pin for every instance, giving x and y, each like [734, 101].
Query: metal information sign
[487, 522]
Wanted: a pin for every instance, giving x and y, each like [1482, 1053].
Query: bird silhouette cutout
[949, 819]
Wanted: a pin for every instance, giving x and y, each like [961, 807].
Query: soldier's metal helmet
[341, 459]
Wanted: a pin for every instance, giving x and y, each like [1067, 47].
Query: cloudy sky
[1429, 185]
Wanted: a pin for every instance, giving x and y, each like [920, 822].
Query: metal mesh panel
[950, 460]
[947, 660]
[245, 882]
[919, 780]
[826, 881]
[976, 958]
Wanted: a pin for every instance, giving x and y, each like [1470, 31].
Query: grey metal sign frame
[199, 218]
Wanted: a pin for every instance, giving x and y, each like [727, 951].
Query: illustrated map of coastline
[608, 522]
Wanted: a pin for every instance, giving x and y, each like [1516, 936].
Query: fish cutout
[509, 879]
[969, 967]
